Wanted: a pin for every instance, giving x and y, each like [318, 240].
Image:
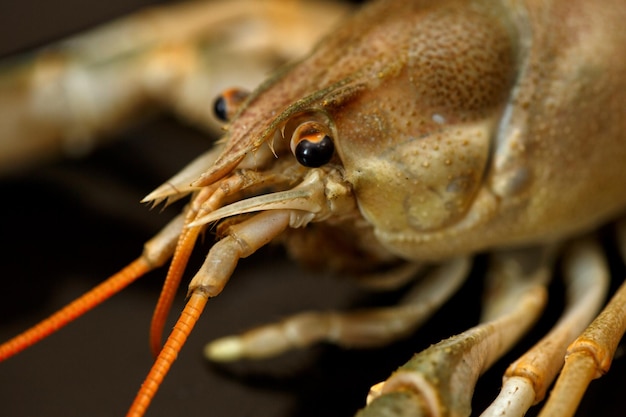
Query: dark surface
[67, 225]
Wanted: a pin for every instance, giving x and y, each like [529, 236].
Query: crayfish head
[293, 167]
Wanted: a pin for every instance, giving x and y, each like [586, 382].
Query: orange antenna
[184, 247]
[183, 327]
[76, 308]
[243, 239]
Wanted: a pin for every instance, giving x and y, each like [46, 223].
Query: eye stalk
[312, 145]
[226, 104]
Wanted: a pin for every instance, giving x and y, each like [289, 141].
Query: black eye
[311, 145]
[314, 154]
[220, 108]
[227, 103]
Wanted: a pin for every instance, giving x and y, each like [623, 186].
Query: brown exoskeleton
[419, 132]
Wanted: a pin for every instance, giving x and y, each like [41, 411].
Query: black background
[66, 225]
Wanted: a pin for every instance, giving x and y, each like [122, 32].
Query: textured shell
[464, 125]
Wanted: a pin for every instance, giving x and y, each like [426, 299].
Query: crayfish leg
[366, 328]
[440, 380]
[528, 378]
[590, 355]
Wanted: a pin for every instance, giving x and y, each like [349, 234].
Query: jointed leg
[528, 378]
[365, 328]
[590, 355]
[441, 379]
